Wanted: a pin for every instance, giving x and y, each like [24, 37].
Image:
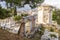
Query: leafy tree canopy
[19, 2]
[56, 15]
[4, 13]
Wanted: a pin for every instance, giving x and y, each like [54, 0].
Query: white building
[45, 14]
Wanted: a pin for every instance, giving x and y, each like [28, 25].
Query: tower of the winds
[45, 14]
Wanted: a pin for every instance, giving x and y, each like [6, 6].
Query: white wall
[40, 16]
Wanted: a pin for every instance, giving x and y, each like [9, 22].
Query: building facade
[45, 14]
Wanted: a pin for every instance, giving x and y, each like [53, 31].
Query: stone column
[22, 28]
[33, 23]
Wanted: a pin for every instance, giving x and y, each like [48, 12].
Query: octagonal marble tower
[45, 14]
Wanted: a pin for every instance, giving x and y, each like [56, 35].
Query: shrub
[51, 29]
[17, 18]
[53, 35]
[56, 16]
[41, 31]
[24, 14]
[4, 13]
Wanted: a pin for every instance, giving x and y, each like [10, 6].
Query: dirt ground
[5, 35]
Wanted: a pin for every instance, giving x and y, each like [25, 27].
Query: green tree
[4, 13]
[9, 2]
[14, 3]
[18, 2]
[33, 2]
[56, 15]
